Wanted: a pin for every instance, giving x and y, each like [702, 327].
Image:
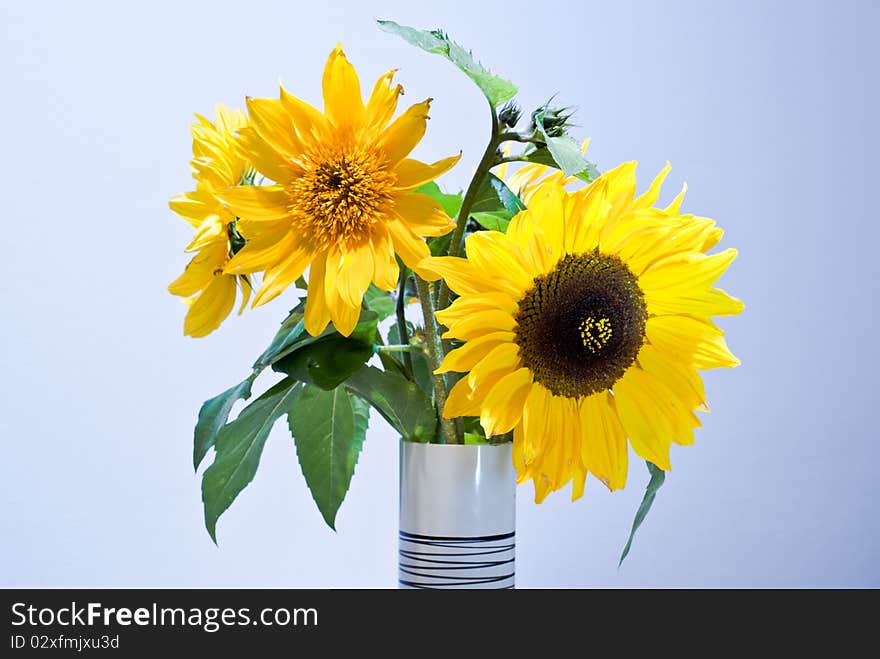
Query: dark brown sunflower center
[340, 195]
[581, 326]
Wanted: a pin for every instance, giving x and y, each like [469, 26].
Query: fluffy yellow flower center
[581, 325]
[342, 192]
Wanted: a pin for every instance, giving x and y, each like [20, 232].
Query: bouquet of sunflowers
[560, 310]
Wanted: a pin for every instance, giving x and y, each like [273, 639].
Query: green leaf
[497, 90]
[212, 417]
[326, 361]
[328, 428]
[538, 154]
[379, 301]
[291, 333]
[493, 195]
[401, 402]
[238, 449]
[450, 203]
[493, 221]
[567, 154]
[471, 438]
[658, 476]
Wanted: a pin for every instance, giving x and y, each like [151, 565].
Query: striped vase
[457, 516]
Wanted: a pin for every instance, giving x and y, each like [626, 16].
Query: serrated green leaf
[450, 203]
[238, 449]
[539, 155]
[212, 417]
[401, 402]
[493, 195]
[567, 154]
[493, 221]
[658, 476]
[379, 301]
[326, 361]
[497, 90]
[328, 428]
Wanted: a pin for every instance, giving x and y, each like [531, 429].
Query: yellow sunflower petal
[467, 356]
[459, 274]
[413, 173]
[199, 271]
[211, 307]
[355, 273]
[480, 323]
[503, 407]
[192, 207]
[253, 257]
[317, 315]
[409, 247]
[464, 306]
[492, 251]
[385, 268]
[652, 416]
[282, 275]
[308, 121]
[257, 202]
[344, 316]
[405, 132]
[547, 204]
[681, 378]
[459, 402]
[274, 126]
[264, 158]
[691, 340]
[603, 444]
[343, 103]
[650, 195]
[423, 215]
[383, 101]
[499, 361]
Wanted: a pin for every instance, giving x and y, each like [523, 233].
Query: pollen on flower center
[581, 325]
[340, 195]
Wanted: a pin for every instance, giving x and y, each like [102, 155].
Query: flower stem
[435, 356]
[402, 334]
[399, 348]
[486, 163]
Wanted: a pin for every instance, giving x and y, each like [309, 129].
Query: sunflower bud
[510, 114]
[555, 120]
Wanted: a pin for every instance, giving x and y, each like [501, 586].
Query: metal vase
[457, 516]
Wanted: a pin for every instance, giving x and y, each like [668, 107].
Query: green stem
[435, 356]
[402, 334]
[486, 163]
[399, 348]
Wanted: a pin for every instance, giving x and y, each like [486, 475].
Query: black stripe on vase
[428, 561]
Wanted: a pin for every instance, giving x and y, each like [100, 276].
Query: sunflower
[343, 200]
[584, 326]
[216, 164]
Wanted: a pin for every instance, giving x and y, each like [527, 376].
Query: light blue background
[767, 109]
